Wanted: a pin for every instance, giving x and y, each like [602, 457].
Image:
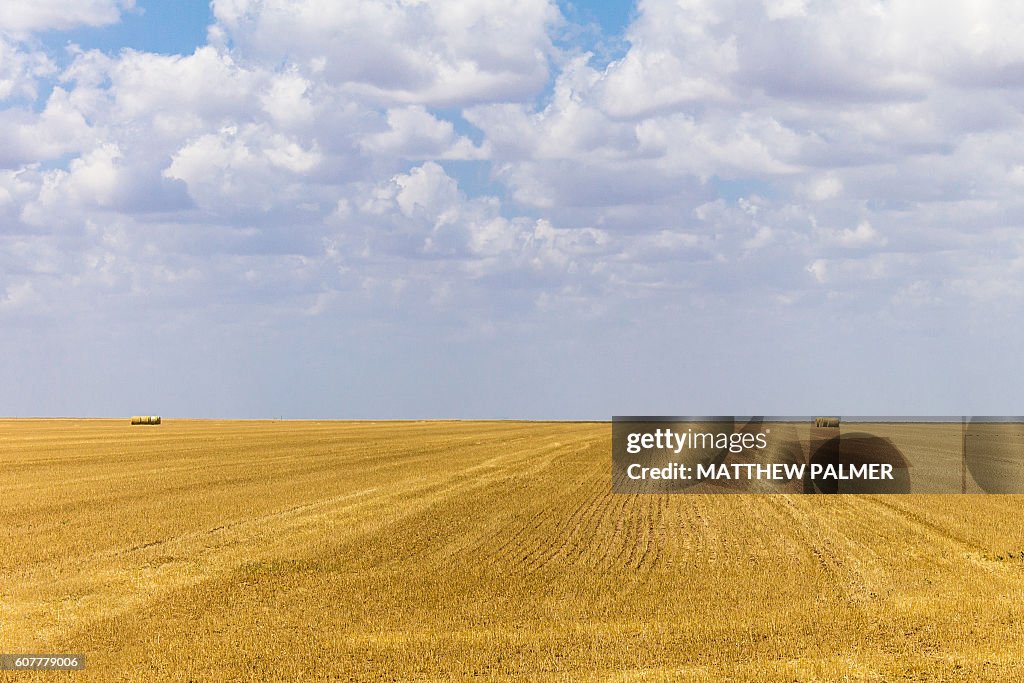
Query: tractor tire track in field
[837, 556]
[490, 518]
[535, 537]
[905, 515]
[297, 515]
[573, 533]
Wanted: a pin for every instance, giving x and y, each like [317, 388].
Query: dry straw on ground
[453, 551]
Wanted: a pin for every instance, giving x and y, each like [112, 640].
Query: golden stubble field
[209, 550]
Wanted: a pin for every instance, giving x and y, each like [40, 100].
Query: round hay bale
[858, 449]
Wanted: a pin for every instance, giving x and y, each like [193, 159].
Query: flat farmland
[259, 550]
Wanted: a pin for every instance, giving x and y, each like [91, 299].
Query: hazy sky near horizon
[538, 209]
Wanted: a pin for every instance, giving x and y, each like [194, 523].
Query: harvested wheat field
[209, 550]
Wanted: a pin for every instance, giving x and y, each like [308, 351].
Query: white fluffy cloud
[23, 16]
[403, 52]
[247, 166]
[452, 163]
[427, 206]
[828, 120]
[20, 71]
[414, 133]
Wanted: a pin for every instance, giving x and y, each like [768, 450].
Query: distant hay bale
[145, 419]
[830, 422]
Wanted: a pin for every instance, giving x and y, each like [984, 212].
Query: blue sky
[376, 209]
[177, 27]
[180, 26]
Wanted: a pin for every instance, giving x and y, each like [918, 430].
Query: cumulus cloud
[280, 123]
[453, 163]
[429, 213]
[403, 52]
[863, 235]
[205, 86]
[24, 16]
[60, 128]
[414, 133]
[21, 70]
[240, 165]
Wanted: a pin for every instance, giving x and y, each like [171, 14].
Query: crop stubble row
[212, 549]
